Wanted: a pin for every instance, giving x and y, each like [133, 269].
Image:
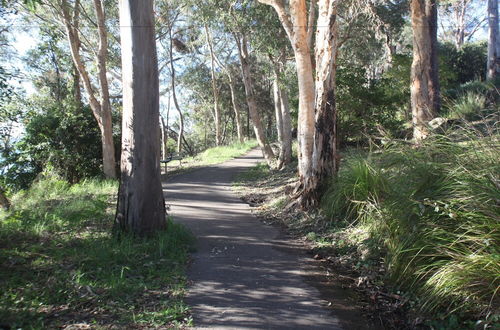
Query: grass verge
[60, 265]
[210, 156]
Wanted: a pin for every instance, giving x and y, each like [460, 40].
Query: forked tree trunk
[214, 89]
[493, 66]
[100, 108]
[141, 207]
[425, 98]
[252, 104]
[317, 114]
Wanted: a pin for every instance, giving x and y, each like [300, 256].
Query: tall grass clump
[435, 212]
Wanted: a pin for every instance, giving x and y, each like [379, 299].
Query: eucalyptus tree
[425, 94]
[238, 19]
[493, 65]
[460, 20]
[317, 112]
[141, 206]
[71, 13]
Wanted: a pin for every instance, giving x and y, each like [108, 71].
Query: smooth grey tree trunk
[214, 88]
[180, 136]
[141, 207]
[252, 104]
[493, 66]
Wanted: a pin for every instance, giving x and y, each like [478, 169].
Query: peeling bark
[425, 98]
[317, 113]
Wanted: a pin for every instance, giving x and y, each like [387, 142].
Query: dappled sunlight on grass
[60, 262]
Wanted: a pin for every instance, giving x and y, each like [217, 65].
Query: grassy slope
[60, 265]
[211, 156]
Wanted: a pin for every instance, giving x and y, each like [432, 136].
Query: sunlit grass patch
[59, 262]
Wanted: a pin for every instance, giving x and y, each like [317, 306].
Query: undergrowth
[60, 265]
[432, 213]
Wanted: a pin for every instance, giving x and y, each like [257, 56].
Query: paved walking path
[244, 274]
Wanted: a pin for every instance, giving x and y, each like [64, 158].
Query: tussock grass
[59, 263]
[435, 212]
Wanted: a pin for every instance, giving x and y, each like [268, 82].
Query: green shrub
[434, 211]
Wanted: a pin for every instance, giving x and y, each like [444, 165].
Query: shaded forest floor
[60, 266]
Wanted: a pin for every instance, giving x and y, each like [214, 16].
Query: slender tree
[141, 206]
[98, 97]
[493, 68]
[425, 97]
[215, 90]
[242, 44]
[316, 79]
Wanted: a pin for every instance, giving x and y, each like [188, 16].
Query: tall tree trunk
[107, 121]
[100, 109]
[174, 95]
[425, 98]
[286, 155]
[493, 66]
[141, 207]
[317, 113]
[236, 108]
[283, 120]
[325, 134]
[234, 101]
[214, 89]
[298, 13]
[252, 104]
[163, 138]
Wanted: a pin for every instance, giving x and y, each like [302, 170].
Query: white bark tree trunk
[252, 104]
[101, 109]
[141, 207]
[493, 66]
[283, 120]
[214, 88]
[180, 136]
[424, 77]
[317, 113]
[236, 109]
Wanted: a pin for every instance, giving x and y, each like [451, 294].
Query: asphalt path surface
[246, 274]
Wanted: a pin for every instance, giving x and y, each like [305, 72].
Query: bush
[434, 210]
